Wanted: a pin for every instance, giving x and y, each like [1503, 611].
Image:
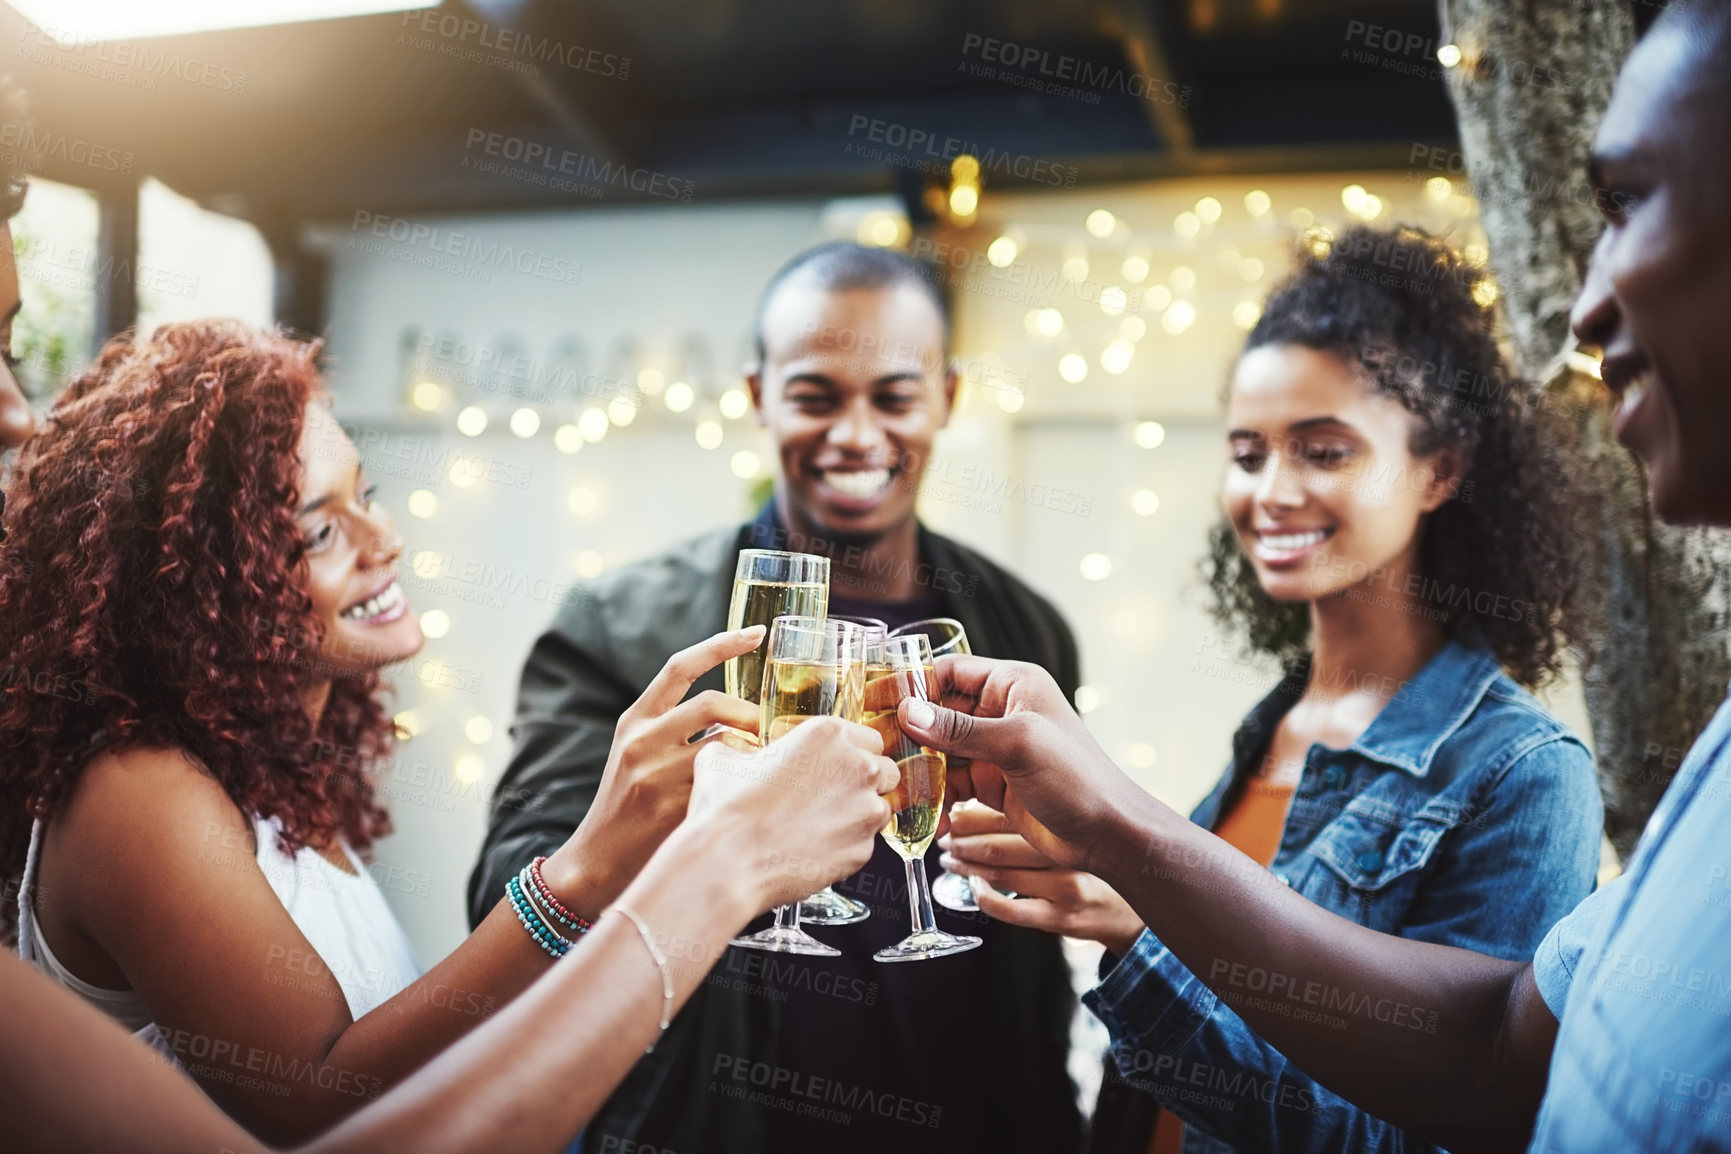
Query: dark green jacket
[601, 652]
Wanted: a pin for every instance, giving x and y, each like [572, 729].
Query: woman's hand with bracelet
[646, 787]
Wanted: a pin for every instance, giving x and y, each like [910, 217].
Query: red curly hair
[152, 591]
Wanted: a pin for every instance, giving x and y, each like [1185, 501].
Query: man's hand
[646, 787]
[1031, 758]
[983, 847]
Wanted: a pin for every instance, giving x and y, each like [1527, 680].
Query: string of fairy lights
[1130, 284]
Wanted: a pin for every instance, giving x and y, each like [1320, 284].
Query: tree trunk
[1532, 83]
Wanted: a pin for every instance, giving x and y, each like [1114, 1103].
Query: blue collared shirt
[1640, 980]
[1465, 814]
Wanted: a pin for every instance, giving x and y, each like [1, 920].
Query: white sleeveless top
[343, 917]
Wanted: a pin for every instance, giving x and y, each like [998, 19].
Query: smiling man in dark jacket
[789, 1053]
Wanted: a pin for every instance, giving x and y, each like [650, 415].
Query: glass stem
[920, 897]
[787, 917]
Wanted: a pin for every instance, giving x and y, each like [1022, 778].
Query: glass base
[828, 908]
[953, 892]
[785, 940]
[917, 947]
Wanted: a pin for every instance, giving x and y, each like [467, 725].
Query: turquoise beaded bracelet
[545, 936]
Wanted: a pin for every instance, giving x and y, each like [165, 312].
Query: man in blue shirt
[1617, 1037]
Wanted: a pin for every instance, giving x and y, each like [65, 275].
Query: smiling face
[352, 549]
[1658, 291]
[1322, 488]
[854, 386]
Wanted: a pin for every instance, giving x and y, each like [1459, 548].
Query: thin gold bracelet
[660, 964]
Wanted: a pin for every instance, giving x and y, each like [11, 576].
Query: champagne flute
[814, 668]
[869, 624]
[946, 634]
[826, 907]
[903, 668]
[768, 584]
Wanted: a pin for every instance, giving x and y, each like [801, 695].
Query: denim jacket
[1465, 814]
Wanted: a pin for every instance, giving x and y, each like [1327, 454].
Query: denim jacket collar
[1422, 714]
[1427, 710]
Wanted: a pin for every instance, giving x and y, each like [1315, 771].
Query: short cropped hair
[842, 265]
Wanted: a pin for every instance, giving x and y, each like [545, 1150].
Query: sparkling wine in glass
[826, 907]
[768, 584]
[813, 668]
[946, 635]
[902, 669]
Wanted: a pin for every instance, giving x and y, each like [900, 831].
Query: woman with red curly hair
[197, 596]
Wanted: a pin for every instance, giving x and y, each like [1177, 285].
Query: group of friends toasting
[1378, 932]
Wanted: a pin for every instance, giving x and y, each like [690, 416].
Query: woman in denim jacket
[1399, 531]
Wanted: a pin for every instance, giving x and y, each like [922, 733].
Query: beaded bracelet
[539, 910]
[548, 918]
[545, 893]
[545, 936]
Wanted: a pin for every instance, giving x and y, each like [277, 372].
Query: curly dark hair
[152, 591]
[1404, 307]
